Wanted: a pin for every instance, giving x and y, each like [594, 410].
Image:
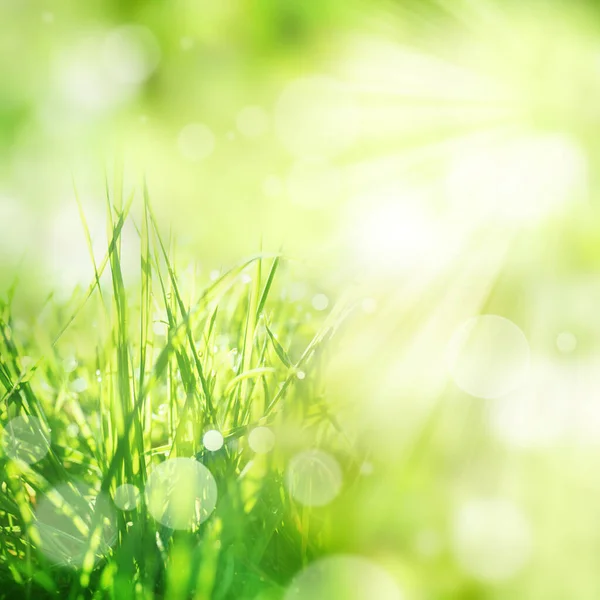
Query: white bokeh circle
[26, 438]
[314, 478]
[196, 142]
[488, 357]
[130, 53]
[320, 302]
[343, 576]
[492, 538]
[127, 496]
[181, 493]
[566, 342]
[79, 385]
[73, 520]
[213, 440]
[261, 440]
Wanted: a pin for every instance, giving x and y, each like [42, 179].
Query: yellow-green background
[542, 62]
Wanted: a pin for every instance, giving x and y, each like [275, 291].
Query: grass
[127, 375]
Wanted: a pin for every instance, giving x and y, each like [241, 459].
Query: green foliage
[151, 396]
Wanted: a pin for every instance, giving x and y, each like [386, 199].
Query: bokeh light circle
[343, 576]
[131, 53]
[196, 142]
[71, 519]
[26, 438]
[127, 496]
[181, 493]
[492, 538]
[69, 364]
[79, 385]
[320, 302]
[315, 117]
[213, 440]
[566, 342]
[488, 357]
[314, 478]
[261, 440]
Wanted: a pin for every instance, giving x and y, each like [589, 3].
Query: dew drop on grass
[26, 438]
[300, 375]
[213, 440]
[127, 496]
[181, 493]
[261, 440]
[314, 478]
[488, 357]
[343, 576]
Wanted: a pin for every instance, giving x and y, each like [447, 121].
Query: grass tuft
[127, 375]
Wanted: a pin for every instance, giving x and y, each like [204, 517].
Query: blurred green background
[203, 100]
[435, 160]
